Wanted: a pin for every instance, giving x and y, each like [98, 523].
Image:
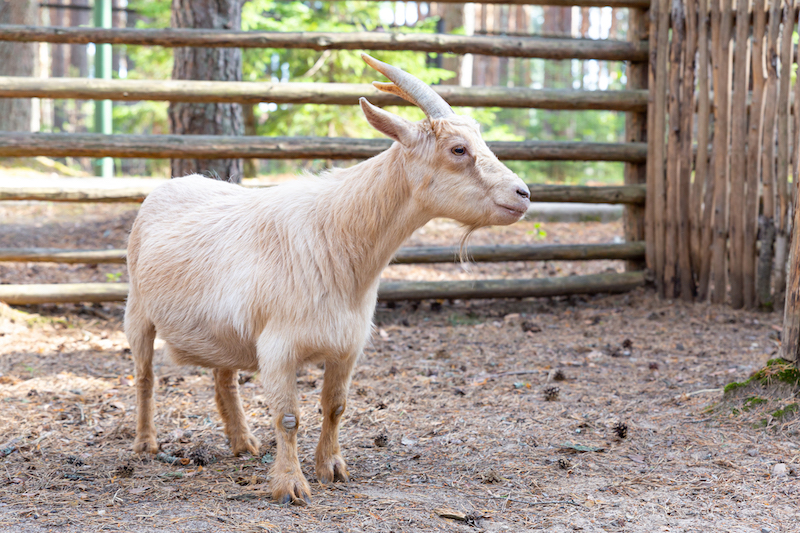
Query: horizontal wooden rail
[388, 291]
[312, 93]
[15, 144]
[533, 47]
[64, 194]
[522, 252]
[410, 255]
[583, 194]
[622, 194]
[509, 288]
[59, 293]
[60, 255]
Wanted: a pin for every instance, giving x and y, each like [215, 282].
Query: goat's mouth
[517, 211]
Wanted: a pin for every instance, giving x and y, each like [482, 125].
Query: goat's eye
[459, 150]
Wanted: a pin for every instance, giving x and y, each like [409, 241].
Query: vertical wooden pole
[738, 154]
[766, 221]
[635, 131]
[790, 337]
[721, 23]
[754, 142]
[649, 207]
[673, 151]
[781, 182]
[657, 198]
[686, 272]
[702, 200]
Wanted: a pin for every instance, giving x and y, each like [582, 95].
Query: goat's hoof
[332, 469]
[288, 489]
[244, 444]
[145, 445]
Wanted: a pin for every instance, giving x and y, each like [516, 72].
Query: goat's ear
[390, 125]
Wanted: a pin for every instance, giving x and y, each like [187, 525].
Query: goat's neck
[369, 214]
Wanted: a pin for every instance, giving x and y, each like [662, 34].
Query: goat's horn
[410, 88]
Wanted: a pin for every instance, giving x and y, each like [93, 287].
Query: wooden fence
[720, 81]
[633, 152]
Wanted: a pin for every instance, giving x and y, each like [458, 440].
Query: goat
[272, 279]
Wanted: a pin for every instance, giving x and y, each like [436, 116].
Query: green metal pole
[102, 70]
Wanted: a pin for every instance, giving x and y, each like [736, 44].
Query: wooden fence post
[721, 26]
[686, 269]
[790, 337]
[636, 131]
[754, 143]
[671, 289]
[704, 174]
[781, 181]
[656, 130]
[766, 222]
[738, 123]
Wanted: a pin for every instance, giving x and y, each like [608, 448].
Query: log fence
[711, 151]
[634, 152]
[718, 223]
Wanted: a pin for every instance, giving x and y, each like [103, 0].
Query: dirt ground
[567, 414]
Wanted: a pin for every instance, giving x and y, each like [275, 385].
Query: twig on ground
[702, 391]
[527, 502]
[511, 373]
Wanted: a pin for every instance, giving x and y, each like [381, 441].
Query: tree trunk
[58, 69]
[452, 19]
[17, 59]
[214, 64]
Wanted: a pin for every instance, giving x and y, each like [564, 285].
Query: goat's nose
[523, 192]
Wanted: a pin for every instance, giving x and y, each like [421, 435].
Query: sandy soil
[578, 414]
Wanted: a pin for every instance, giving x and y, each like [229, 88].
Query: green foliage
[538, 231]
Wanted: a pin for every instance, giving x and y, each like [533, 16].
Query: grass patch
[753, 401]
[776, 372]
[786, 411]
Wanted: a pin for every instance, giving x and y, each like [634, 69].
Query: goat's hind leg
[330, 465]
[229, 404]
[141, 333]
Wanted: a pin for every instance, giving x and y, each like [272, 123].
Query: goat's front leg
[330, 464]
[229, 404]
[279, 374]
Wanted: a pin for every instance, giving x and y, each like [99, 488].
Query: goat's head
[453, 173]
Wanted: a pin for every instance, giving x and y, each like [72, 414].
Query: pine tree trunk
[17, 59]
[58, 67]
[213, 64]
[452, 19]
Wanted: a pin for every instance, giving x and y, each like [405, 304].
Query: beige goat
[271, 279]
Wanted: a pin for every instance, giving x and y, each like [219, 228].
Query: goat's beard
[463, 252]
